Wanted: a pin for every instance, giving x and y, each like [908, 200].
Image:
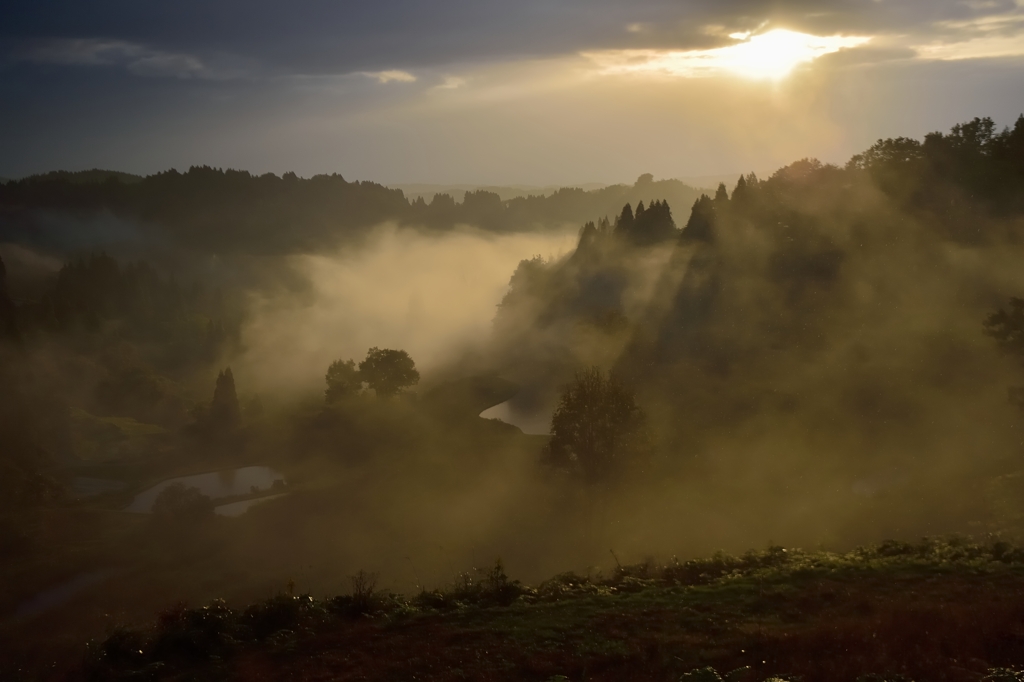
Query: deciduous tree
[597, 427]
[388, 371]
[343, 379]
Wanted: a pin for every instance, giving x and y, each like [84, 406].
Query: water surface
[239, 508]
[214, 484]
[533, 423]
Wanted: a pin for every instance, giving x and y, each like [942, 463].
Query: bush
[364, 599]
[480, 587]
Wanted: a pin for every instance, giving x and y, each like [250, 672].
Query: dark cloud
[320, 36]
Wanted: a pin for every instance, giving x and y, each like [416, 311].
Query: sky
[483, 92]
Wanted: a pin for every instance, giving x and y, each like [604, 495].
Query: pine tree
[224, 409]
[701, 225]
[721, 195]
[624, 223]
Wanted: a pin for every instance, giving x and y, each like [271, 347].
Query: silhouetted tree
[388, 371]
[721, 195]
[654, 224]
[744, 193]
[1007, 328]
[224, 410]
[624, 223]
[701, 225]
[648, 225]
[596, 427]
[343, 379]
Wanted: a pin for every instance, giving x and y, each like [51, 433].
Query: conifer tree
[624, 223]
[701, 225]
[721, 195]
[224, 410]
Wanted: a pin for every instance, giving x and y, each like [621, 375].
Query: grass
[935, 610]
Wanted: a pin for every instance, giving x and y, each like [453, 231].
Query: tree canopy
[343, 379]
[388, 371]
[596, 427]
[1007, 328]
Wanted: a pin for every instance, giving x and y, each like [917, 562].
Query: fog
[818, 359]
[431, 295]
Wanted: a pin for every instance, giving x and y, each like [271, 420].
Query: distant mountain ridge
[85, 177]
[426, 191]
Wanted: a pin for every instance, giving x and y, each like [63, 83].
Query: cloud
[135, 58]
[314, 37]
[390, 75]
[768, 55]
[451, 82]
[988, 36]
[173, 65]
[81, 52]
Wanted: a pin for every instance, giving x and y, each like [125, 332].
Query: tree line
[212, 209]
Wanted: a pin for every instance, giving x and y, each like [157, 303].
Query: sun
[765, 56]
[773, 55]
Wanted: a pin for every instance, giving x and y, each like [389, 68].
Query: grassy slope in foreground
[936, 610]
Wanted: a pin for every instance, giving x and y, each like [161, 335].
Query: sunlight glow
[390, 76]
[771, 55]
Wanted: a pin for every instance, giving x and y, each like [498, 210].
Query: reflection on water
[239, 508]
[215, 484]
[533, 423]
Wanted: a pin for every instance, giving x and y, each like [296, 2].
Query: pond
[215, 484]
[239, 508]
[532, 423]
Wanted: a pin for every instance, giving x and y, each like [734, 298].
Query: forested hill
[210, 209]
[846, 303]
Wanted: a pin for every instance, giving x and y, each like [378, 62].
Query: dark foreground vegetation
[931, 610]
